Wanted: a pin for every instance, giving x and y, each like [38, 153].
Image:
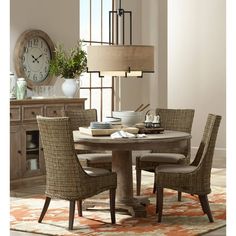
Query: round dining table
[122, 159]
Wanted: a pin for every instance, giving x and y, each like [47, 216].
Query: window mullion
[94, 25]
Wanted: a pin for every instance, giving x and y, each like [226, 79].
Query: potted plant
[69, 64]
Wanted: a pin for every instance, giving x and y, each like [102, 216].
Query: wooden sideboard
[26, 152]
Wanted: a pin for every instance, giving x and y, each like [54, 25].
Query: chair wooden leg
[154, 184]
[45, 207]
[157, 203]
[179, 196]
[79, 206]
[138, 180]
[159, 195]
[205, 206]
[71, 214]
[112, 205]
[202, 204]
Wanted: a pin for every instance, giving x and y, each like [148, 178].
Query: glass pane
[84, 46]
[32, 150]
[85, 93]
[95, 80]
[85, 80]
[84, 19]
[96, 20]
[107, 81]
[107, 6]
[106, 102]
[96, 101]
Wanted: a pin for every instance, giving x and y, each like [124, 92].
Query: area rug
[179, 218]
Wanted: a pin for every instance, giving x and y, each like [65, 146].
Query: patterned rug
[179, 218]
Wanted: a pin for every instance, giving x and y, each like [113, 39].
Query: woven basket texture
[65, 177]
[171, 119]
[82, 118]
[196, 181]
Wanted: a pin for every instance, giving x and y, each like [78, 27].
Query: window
[94, 29]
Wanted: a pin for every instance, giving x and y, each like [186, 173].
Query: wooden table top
[84, 141]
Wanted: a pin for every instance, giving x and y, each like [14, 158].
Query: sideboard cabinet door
[16, 153]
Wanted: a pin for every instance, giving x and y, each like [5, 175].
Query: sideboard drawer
[54, 110]
[15, 114]
[30, 112]
[74, 107]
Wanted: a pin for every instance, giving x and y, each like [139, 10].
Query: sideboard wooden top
[47, 101]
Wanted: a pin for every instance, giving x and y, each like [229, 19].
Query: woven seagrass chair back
[204, 155]
[81, 118]
[176, 119]
[65, 177]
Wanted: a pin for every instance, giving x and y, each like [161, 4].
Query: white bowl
[129, 118]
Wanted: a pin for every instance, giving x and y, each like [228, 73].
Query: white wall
[58, 18]
[196, 62]
[154, 32]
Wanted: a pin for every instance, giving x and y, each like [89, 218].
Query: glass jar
[12, 85]
[21, 88]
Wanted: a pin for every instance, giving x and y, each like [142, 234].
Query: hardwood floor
[220, 181]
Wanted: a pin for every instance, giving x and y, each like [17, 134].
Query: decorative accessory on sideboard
[69, 64]
[70, 87]
[13, 80]
[21, 89]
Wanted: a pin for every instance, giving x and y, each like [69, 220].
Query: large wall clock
[32, 54]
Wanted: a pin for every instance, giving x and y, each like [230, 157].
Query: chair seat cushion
[96, 157]
[163, 158]
[95, 171]
[175, 169]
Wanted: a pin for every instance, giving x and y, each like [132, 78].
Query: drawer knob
[10, 114]
[19, 151]
[33, 113]
[54, 112]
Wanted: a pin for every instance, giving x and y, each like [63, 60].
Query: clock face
[35, 59]
[32, 54]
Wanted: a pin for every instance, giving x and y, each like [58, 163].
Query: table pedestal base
[122, 165]
[136, 208]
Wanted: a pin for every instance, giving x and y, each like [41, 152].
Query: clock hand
[35, 59]
[39, 56]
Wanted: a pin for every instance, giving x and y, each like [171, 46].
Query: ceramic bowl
[129, 118]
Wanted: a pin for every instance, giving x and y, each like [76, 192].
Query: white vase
[70, 87]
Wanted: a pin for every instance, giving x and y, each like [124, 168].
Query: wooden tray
[106, 132]
[151, 130]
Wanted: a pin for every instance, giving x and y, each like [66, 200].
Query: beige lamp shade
[120, 60]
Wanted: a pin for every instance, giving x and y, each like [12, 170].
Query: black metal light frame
[120, 12]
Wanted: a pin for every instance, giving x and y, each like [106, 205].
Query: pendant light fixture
[117, 58]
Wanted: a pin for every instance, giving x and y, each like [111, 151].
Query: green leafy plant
[68, 64]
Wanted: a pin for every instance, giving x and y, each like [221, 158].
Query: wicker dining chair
[97, 159]
[195, 177]
[65, 177]
[171, 119]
